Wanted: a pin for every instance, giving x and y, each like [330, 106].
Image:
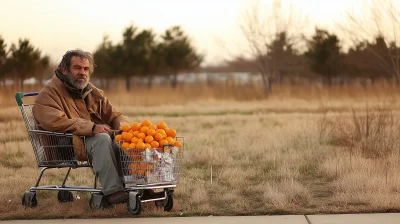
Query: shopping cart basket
[155, 169]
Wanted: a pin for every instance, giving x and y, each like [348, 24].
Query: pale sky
[56, 26]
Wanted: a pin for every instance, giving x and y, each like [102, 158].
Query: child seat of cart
[50, 148]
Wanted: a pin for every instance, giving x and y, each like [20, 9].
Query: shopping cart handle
[20, 95]
[31, 94]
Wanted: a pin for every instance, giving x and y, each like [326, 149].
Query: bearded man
[69, 103]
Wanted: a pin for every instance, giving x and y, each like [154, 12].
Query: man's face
[78, 73]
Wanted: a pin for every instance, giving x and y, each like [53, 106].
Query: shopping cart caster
[98, 201]
[167, 203]
[65, 196]
[29, 199]
[134, 204]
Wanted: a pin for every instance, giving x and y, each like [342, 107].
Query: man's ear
[63, 70]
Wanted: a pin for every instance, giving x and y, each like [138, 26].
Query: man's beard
[76, 83]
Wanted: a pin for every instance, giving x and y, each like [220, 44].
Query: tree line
[275, 38]
[279, 50]
[141, 53]
[20, 62]
[144, 54]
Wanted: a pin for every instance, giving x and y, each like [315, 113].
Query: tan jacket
[55, 110]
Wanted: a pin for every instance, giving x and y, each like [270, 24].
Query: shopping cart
[149, 169]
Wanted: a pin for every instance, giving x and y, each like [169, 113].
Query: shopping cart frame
[97, 200]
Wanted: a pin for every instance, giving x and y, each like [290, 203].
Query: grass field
[303, 150]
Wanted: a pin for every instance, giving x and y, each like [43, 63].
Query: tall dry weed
[373, 131]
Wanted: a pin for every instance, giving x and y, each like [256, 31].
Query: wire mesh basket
[151, 166]
[51, 149]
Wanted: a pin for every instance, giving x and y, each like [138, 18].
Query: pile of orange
[146, 135]
[138, 137]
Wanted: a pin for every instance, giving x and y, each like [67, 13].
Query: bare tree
[375, 25]
[266, 27]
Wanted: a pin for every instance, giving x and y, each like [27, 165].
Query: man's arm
[51, 117]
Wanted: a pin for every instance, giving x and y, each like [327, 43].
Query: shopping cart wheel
[98, 201]
[134, 204]
[29, 199]
[168, 203]
[65, 196]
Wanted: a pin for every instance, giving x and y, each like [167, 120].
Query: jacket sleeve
[113, 117]
[51, 117]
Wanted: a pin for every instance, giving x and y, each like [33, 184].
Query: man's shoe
[117, 197]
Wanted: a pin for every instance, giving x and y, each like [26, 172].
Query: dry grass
[301, 151]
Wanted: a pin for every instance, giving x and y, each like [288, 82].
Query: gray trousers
[104, 155]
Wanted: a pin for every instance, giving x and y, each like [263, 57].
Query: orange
[144, 129]
[163, 142]
[136, 156]
[136, 126]
[140, 146]
[135, 133]
[153, 126]
[158, 136]
[125, 145]
[177, 143]
[132, 146]
[147, 146]
[146, 123]
[133, 168]
[142, 165]
[151, 132]
[126, 128]
[162, 132]
[141, 172]
[123, 135]
[171, 133]
[141, 135]
[155, 144]
[148, 139]
[118, 138]
[127, 137]
[161, 125]
[149, 166]
[170, 140]
[134, 140]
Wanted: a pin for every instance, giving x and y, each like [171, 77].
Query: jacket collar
[64, 92]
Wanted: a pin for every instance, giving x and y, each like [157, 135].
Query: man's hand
[101, 129]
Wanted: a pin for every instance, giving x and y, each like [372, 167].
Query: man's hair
[66, 59]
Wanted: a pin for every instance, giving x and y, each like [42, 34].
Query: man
[70, 103]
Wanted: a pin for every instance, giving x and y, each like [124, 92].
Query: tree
[150, 60]
[179, 54]
[3, 60]
[271, 33]
[26, 61]
[358, 60]
[155, 63]
[325, 55]
[41, 67]
[105, 62]
[134, 52]
[378, 21]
